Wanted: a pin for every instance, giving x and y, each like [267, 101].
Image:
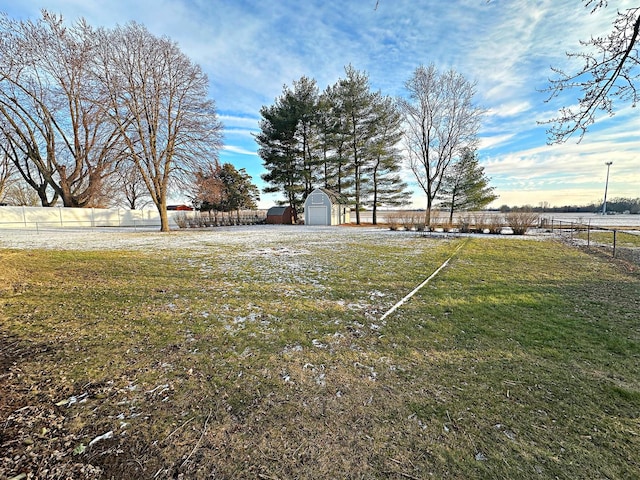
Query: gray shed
[325, 207]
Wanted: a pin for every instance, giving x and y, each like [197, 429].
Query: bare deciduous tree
[6, 172]
[441, 121]
[21, 148]
[51, 110]
[158, 99]
[130, 187]
[610, 71]
[20, 193]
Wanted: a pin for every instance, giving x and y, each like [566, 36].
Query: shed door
[317, 215]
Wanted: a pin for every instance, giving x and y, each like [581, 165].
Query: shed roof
[276, 210]
[335, 197]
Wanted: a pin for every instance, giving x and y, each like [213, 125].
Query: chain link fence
[622, 243]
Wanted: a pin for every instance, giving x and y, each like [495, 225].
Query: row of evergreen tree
[344, 138]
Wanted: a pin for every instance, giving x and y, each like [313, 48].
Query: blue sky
[250, 49]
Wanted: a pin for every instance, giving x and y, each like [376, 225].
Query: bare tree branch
[609, 73]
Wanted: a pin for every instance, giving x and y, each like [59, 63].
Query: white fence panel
[57, 217]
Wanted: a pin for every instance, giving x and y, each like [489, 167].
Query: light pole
[606, 185]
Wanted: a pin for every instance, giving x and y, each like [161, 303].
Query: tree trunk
[164, 217]
[164, 220]
[427, 216]
[357, 179]
[374, 218]
[44, 200]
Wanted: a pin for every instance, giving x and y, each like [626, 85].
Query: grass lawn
[623, 239]
[521, 359]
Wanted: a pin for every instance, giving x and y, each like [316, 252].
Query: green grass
[623, 239]
[519, 360]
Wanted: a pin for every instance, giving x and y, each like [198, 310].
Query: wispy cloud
[509, 109]
[492, 141]
[239, 150]
[239, 121]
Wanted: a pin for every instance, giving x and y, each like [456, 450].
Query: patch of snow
[294, 348]
[99, 438]
[318, 344]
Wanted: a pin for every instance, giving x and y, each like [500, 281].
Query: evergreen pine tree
[386, 186]
[465, 186]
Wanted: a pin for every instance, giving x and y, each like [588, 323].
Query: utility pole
[606, 185]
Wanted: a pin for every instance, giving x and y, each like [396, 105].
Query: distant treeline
[615, 205]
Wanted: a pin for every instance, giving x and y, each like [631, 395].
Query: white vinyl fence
[56, 217]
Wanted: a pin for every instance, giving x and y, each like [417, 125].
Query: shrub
[408, 220]
[393, 220]
[464, 223]
[436, 219]
[194, 221]
[479, 223]
[520, 222]
[495, 224]
[181, 220]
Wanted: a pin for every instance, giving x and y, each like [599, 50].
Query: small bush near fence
[494, 224]
[220, 219]
[520, 222]
[394, 220]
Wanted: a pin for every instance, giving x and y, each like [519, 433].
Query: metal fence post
[614, 243]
